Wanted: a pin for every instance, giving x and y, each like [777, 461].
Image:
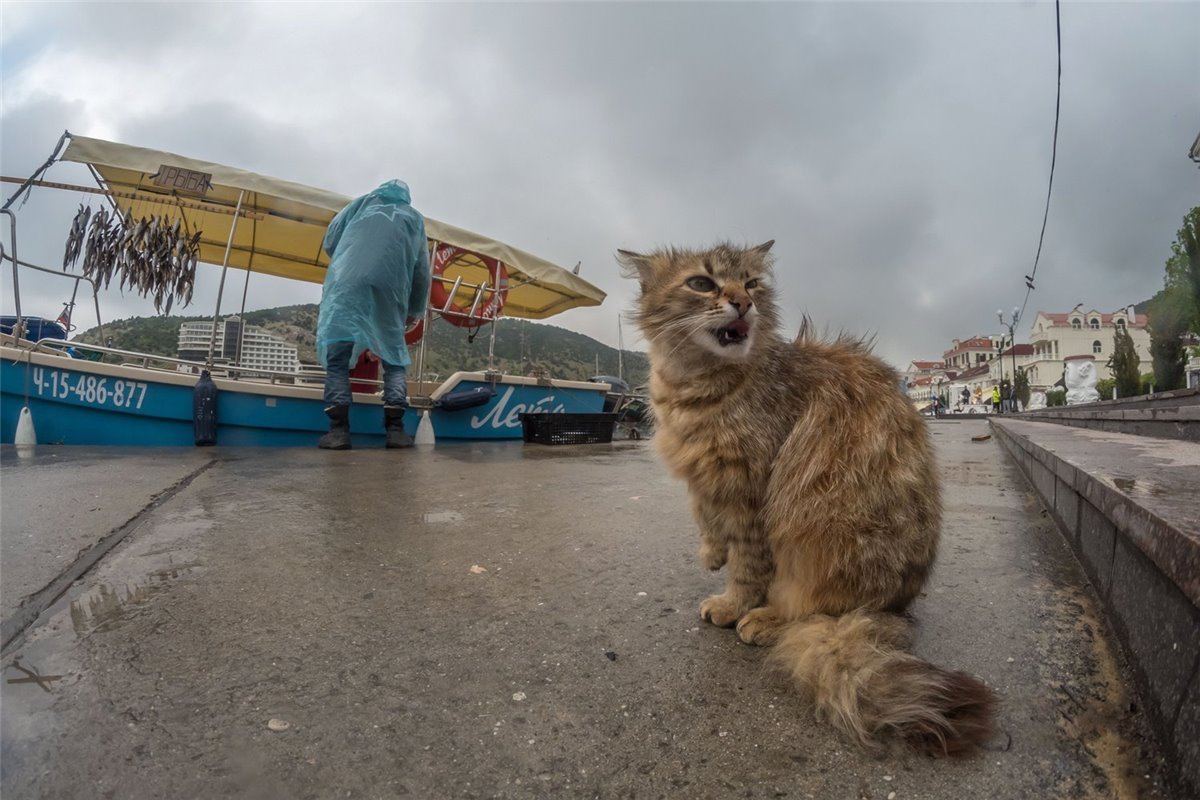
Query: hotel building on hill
[247, 346]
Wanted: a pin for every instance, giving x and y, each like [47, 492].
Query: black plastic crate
[568, 428]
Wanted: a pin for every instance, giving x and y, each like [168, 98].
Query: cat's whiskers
[691, 326]
[686, 325]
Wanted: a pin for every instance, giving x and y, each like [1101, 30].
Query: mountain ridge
[522, 346]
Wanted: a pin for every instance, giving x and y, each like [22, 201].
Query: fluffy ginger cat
[813, 482]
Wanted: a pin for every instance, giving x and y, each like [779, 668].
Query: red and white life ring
[489, 306]
[413, 335]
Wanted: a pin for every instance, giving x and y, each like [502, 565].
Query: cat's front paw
[713, 556]
[760, 626]
[721, 610]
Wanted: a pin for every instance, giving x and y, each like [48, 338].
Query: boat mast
[620, 351]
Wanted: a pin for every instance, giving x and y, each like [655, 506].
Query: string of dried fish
[153, 256]
[76, 236]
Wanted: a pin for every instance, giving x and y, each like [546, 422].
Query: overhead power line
[1029, 279]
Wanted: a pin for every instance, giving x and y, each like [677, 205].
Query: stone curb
[1146, 570]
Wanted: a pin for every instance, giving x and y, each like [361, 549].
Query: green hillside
[521, 346]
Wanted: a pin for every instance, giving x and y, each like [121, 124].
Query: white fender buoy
[25, 436]
[425, 430]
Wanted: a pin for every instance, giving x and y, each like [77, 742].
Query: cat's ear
[635, 265]
[763, 248]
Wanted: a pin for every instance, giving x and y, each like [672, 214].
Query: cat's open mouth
[736, 332]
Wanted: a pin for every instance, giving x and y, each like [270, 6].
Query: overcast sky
[898, 153]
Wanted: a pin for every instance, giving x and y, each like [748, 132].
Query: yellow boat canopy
[281, 225]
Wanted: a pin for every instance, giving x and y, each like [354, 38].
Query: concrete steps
[1166, 415]
[1129, 505]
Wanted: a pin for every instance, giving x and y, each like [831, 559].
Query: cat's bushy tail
[855, 670]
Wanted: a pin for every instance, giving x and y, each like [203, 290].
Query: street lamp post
[1012, 339]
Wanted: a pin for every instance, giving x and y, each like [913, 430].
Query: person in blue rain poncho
[376, 286]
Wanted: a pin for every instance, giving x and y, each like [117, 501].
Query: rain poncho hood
[378, 275]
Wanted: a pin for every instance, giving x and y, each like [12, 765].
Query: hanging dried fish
[154, 256]
[76, 236]
[92, 257]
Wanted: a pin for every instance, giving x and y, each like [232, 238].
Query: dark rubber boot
[393, 422]
[338, 437]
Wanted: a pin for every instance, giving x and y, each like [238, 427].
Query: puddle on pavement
[46, 666]
[588, 453]
[1139, 488]
[37, 674]
[441, 517]
[105, 606]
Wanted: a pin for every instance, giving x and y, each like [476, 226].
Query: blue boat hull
[78, 402]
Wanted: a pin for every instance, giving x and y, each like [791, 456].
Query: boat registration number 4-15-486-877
[111, 392]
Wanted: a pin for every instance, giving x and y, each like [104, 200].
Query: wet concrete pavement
[499, 620]
[64, 508]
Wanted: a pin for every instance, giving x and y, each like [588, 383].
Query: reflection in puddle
[101, 607]
[44, 682]
[1144, 488]
[442, 517]
[49, 669]
[46, 670]
[36, 678]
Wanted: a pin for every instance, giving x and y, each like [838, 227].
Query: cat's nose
[742, 304]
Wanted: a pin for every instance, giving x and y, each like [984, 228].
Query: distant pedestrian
[996, 399]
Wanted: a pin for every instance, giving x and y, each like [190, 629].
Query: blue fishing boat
[83, 394]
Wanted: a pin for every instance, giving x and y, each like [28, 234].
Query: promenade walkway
[495, 620]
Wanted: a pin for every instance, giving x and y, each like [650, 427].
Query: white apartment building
[963, 366]
[919, 378]
[1055, 336]
[966, 354]
[1001, 369]
[921, 369]
[247, 346]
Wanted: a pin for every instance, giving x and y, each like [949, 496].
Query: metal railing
[229, 370]
[16, 262]
[151, 361]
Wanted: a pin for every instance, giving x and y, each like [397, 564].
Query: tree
[1171, 311]
[1183, 269]
[1124, 364]
[1176, 309]
[1021, 388]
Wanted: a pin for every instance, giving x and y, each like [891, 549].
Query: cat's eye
[700, 283]
[752, 283]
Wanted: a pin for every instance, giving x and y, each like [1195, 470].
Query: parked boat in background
[34, 328]
[92, 394]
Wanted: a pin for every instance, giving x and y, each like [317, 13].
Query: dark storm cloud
[898, 153]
